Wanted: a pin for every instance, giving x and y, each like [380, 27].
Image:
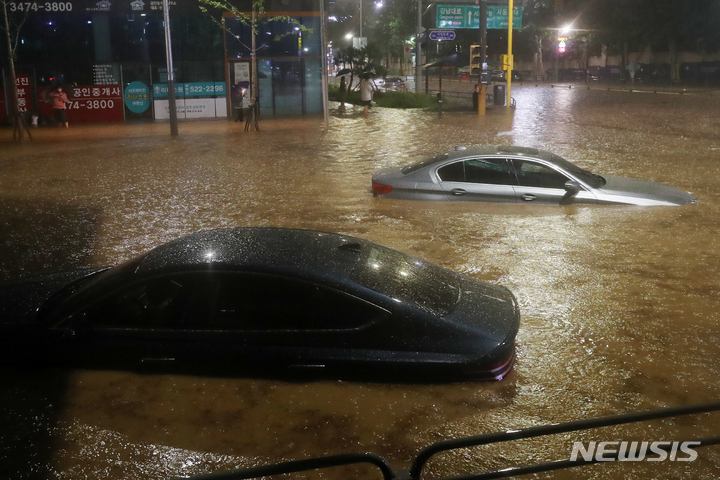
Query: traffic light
[475, 59]
[562, 46]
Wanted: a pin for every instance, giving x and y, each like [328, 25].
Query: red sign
[23, 93]
[90, 103]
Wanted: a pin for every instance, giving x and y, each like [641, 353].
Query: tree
[538, 30]
[256, 18]
[11, 26]
[360, 62]
[658, 24]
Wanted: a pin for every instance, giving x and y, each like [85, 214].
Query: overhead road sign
[468, 16]
[442, 35]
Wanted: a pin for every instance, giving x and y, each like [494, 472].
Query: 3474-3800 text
[40, 7]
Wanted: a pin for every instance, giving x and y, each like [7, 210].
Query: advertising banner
[192, 100]
[137, 97]
[197, 89]
[106, 74]
[192, 108]
[88, 103]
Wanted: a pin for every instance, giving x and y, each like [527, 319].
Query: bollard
[440, 105]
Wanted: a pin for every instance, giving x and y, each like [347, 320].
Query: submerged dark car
[268, 298]
[516, 174]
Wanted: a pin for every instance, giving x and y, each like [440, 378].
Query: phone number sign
[91, 103]
[187, 7]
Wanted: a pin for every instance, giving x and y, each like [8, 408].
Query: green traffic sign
[468, 16]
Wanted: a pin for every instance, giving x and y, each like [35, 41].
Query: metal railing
[492, 438]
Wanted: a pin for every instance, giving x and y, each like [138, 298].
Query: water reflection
[620, 305]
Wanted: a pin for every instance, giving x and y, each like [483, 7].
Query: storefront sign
[106, 74]
[89, 103]
[242, 72]
[192, 108]
[183, 7]
[24, 101]
[137, 97]
[197, 89]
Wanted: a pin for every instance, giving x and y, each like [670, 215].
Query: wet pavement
[620, 304]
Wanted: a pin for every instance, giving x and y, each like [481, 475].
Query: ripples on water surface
[620, 305]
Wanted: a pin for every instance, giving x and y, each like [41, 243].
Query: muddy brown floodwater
[620, 305]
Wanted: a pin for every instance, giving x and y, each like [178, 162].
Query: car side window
[162, 302]
[493, 171]
[455, 172]
[532, 174]
[270, 302]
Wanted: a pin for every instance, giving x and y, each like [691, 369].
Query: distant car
[516, 174]
[241, 298]
[501, 76]
[394, 83]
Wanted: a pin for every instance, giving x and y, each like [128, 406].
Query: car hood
[643, 192]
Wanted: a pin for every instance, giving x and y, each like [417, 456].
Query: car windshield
[417, 166]
[408, 280]
[93, 287]
[592, 179]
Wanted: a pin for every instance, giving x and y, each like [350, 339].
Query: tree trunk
[539, 66]
[14, 109]
[253, 83]
[672, 60]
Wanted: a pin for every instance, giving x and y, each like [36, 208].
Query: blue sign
[442, 35]
[137, 97]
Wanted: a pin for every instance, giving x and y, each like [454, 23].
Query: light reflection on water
[620, 305]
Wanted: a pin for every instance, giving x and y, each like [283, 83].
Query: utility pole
[481, 87]
[510, 55]
[323, 54]
[418, 48]
[171, 75]
[483, 37]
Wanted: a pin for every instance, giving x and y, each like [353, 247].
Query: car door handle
[528, 197]
[458, 191]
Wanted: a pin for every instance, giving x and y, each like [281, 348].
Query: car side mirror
[572, 186]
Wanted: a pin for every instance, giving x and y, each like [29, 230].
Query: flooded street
[620, 305]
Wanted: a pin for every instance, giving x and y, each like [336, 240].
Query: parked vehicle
[516, 174]
[244, 298]
[394, 83]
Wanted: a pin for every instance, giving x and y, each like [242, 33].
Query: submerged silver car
[516, 174]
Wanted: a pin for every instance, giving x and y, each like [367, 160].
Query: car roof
[462, 151]
[261, 248]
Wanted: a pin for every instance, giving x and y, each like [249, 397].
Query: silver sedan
[516, 174]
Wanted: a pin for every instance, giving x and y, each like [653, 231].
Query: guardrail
[426, 454]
